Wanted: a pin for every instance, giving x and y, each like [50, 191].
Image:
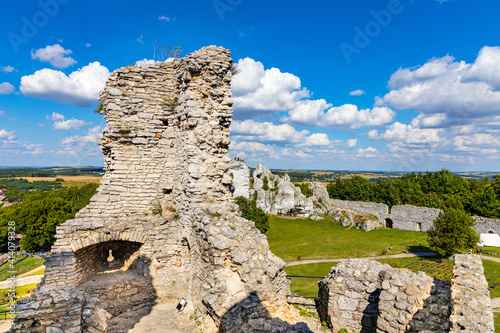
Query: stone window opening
[388, 223]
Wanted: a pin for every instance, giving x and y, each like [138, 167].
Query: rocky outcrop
[241, 178]
[278, 195]
[163, 223]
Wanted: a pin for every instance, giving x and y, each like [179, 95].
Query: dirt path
[40, 268]
[401, 255]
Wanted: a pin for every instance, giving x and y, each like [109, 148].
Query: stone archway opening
[388, 223]
[491, 232]
[117, 273]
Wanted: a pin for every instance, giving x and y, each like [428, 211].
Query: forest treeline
[439, 189]
[49, 172]
[14, 186]
[40, 213]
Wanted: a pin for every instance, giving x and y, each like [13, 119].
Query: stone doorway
[389, 223]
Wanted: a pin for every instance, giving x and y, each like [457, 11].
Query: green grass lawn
[6, 265]
[497, 321]
[290, 238]
[492, 273]
[20, 291]
[22, 267]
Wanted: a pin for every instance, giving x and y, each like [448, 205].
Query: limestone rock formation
[241, 178]
[165, 212]
[278, 195]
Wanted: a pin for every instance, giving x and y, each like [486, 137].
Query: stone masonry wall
[365, 296]
[407, 217]
[486, 225]
[377, 209]
[470, 297]
[166, 191]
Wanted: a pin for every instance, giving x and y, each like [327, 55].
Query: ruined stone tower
[163, 224]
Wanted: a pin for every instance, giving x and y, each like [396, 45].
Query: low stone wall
[378, 209]
[470, 297]
[407, 217]
[365, 296]
[486, 225]
[349, 295]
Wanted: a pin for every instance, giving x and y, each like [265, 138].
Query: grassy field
[20, 268]
[290, 238]
[69, 181]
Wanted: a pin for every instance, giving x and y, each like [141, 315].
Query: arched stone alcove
[117, 273]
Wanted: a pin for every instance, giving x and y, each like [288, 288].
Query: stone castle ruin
[163, 231]
[163, 224]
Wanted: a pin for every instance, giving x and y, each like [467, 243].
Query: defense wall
[486, 225]
[378, 209]
[407, 217]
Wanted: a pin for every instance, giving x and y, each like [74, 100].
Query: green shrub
[250, 211]
[265, 186]
[304, 188]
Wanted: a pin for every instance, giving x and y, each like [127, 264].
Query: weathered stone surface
[241, 178]
[470, 296]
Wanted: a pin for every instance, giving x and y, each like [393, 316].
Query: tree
[452, 231]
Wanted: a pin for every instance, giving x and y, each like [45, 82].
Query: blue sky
[403, 85]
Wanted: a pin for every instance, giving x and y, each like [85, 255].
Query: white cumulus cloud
[6, 88]
[6, 135]
[351, 143]
[55, 54]
[8, 69]
[94, 134]
[408, 134]
[448, 92]
[260, 92]
[80, 88]
[358, 92]
[252, 147]
[257, 89]
[250, 130]
[369, 152]
[59, 122]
